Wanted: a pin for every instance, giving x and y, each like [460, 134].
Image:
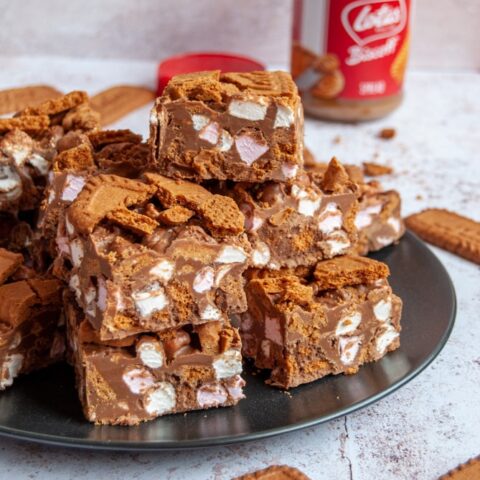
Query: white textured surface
[419, 432]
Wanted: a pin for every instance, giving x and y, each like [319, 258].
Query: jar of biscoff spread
[349, 57]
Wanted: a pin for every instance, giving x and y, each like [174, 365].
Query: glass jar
[349, 57]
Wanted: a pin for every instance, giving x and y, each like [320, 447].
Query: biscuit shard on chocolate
[103, 194]
[221, 214]
[230, 126]
[57, 105]
[348, 270]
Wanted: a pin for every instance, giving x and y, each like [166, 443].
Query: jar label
[350, 49]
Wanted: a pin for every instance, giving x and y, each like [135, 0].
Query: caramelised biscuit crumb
[335, 178]
[74, 159]
[372, 169]
[348, 270]
[275, 472]
[387, 133]
[175, 215]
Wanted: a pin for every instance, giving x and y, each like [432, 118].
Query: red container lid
[197, 62]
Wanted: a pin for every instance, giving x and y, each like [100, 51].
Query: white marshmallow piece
[150, 300]
[235, 388]
[364, 217]
[284, 117]
[348, 324]
[289, 171]
[138, 380]
[102, 294]
[247, 110]
[76, 252]
[228, 364]
[74, 185]
[10, 183]
[204, 279]
[226, 141]
[338, 245]
[231, 254]
[12, 365]
[249, 149]
[163, 270]
[210, 133]
[150, 353]
[394, 223]
[221, 272]
[273, 330]
[161, 399]
[383, 310]
[348, 349]
[210, 313]
[261, 254]
[211, 395]
[199, 122]
[385, 339]
[39, 164]
[308, 207]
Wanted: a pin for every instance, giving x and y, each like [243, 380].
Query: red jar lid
[197, 62]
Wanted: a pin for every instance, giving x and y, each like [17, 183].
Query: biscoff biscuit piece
[28, 123]
[448, 230]
[102, 138]
[136, 222]
[221, 214]
[116, 102]
[236, 126]
[15, 99]
[103, 194]
[57, 105]
[275, 472]
[175, 215]
[372, 169]
[74, 159]
[348, 270]
[466, 471]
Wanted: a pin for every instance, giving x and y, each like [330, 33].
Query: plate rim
[172, 445]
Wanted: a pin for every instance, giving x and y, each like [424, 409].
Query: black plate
[43, 407]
